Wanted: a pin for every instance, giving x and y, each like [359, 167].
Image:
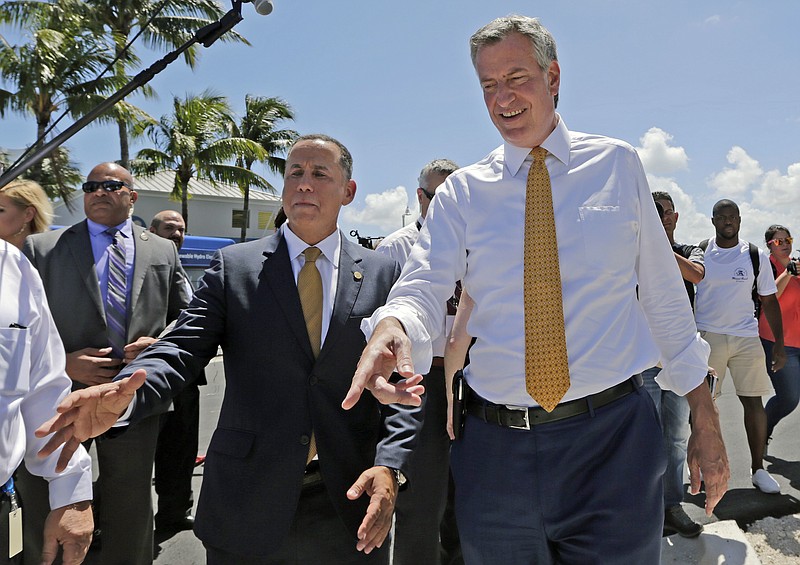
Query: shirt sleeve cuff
[71, 487]
[421, 347]
[687, 370]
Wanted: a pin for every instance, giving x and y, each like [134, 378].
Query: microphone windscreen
[263, 7]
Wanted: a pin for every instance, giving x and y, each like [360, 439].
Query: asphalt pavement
[743, 503]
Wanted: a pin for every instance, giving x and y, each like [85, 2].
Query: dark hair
[770, 233]
[724, 203]
[345, 161]
[661, 195]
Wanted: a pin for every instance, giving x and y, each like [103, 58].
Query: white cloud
[713, 20]
[657, 156]
[779, 191]
[384, 210]
[734, 182]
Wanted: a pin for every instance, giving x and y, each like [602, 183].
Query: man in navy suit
[262, 500]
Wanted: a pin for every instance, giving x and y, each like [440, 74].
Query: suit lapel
[277, 273]
[347, 288]
[143, 253]
[80, 247]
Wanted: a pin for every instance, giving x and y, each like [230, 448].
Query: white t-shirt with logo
[724, 302]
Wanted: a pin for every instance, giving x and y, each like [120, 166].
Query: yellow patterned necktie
[309, 287]
[546, 366]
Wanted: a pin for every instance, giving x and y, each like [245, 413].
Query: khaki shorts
[744, 357]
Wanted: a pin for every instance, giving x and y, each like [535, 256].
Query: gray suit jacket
[65, 262]
[276, 393]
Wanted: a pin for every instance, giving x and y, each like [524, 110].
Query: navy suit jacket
[276, 393]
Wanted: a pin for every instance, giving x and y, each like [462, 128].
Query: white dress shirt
[33, 382]
[398, 245]
[327, 265]
[609, 241]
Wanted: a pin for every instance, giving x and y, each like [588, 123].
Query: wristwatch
[398, 476]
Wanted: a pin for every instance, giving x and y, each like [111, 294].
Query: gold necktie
[309, 287]
[546, 366]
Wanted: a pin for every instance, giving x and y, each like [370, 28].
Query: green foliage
[196, 141]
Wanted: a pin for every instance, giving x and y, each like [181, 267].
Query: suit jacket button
[305, 440]
[313, 380]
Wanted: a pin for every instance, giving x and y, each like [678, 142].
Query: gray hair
[437, 166]
[544, 46]
[346, 159]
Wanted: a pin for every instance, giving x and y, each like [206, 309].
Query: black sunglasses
[108, 185]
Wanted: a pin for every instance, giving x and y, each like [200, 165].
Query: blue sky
[708, 91]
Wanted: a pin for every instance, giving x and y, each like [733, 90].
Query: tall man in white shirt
[725, 317]
[580, 483]
[32, 382]
[421, 509]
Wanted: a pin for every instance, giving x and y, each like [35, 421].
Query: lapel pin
[143, 236]
[357, 276]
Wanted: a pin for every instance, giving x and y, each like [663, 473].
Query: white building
[213, 210]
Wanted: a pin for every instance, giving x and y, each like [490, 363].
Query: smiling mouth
[512, 114]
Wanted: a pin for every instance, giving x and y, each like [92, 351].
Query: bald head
[109, 208]
[169, 224]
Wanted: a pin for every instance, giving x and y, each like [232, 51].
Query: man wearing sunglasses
[112, 287]
[724, 311]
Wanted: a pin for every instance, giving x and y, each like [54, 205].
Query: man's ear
[349, 193]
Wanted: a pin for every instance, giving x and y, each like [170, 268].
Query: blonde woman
[24, 209]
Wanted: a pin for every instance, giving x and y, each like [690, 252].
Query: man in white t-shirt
[724, 310]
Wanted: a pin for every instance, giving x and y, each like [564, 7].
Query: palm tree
[169, 28]
[54, 70]
[261, 118]
[195, 141]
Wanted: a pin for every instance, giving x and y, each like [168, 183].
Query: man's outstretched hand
[87, 413]
[389, 347]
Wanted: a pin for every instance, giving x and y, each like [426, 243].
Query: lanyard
[9, 490]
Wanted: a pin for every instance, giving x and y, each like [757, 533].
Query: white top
[609, 240]
[724, 301]
[33, 381]
[397, 245]
[327, 265]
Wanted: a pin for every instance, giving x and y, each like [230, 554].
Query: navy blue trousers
[584, 490]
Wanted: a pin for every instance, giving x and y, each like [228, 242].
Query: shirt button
[313, 380]
[305, 440]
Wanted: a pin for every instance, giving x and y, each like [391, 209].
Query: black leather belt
[523, 418]
[437, 362]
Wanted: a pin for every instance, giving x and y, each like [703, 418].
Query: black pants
[317, 536]
[175, 456]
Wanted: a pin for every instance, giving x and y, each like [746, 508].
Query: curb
[720, 542]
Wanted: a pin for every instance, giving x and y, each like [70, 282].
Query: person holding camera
[785, 381]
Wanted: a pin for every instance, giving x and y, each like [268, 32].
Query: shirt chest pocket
[15, 361]
[609, 237]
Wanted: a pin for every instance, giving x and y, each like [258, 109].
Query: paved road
[742, 503]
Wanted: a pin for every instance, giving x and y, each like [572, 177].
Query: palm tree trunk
[246, 210]
[124, 150]
[185, 203]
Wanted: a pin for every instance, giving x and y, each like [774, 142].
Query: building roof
[164, 180]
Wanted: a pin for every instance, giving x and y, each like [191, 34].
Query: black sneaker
[676, 521]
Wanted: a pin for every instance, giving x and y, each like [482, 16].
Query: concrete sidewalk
[720, 543]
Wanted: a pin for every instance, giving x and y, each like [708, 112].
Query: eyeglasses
[430, 195]
[780, 240]
[108, 185]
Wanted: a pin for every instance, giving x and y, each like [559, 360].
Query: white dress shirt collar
[329, 246]
[557, 144]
